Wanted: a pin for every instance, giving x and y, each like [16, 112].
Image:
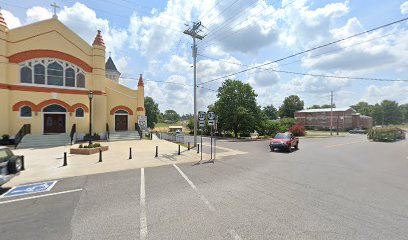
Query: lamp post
[90, 96]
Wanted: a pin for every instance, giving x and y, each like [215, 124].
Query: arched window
[26, 75]
[54, 108]
[39, 74]
[79, 112]
[121, 112]
[55, 74]
[25, 111]
[69, 77]
[80, 80]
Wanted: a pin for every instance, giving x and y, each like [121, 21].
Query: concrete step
[128, 135]
[37, 140]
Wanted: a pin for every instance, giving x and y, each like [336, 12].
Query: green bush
[386, 134]
[80, 146]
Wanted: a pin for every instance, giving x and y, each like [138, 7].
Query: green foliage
[152, 112]
[268, 127]
[314, 107]
[171, 116]
[286, 123]
[290, 105]
[237, 108]
[271, 112]
[386, 134]
[385, 113]
[80, 146]
[327, 106]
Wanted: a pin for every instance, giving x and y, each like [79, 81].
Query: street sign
[29, 189]
[211, 118]
[142, 121]
[201, 119]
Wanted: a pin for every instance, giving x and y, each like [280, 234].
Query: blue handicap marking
[30, 189]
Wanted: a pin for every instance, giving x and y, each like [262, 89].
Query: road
[333, 188]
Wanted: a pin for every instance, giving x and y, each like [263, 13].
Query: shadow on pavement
[3, 190]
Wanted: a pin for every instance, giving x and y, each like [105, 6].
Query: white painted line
[41, 196]
[143, 218]
[203, 198]
[234, 235]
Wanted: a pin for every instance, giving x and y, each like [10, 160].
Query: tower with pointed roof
[111, 71]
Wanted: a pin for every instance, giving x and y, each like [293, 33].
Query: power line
[309, 50]
[312, 74]
[208, 24]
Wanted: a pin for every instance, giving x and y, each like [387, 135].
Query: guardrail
[179, 138]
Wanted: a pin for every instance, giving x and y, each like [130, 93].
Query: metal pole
[100, 155]
[215, 135]
[130, 153]
[157, 151]
[65, 160]
[178, 150]
[90, 120]
[331, 114]
[195, 90]
[211, 142]
[201, 144]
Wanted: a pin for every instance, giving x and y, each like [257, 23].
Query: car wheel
[272, 149]
[289, 148]
[14, 165]
[297, 146]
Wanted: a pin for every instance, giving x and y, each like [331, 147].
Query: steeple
[140, 83]
[3, 24]
[98, 41]
[111, 71]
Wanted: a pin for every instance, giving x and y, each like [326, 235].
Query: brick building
[343, 119]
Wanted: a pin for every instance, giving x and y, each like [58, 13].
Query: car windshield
[3, 154]
[282, 136]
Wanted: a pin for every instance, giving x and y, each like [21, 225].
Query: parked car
[10, 165]
[358, 130]
[284, 141]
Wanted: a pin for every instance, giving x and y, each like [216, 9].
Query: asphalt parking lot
[331, 188]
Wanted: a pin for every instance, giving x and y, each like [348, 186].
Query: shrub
[386, 134]
[95, 145]
[80, 146]
[298, 130]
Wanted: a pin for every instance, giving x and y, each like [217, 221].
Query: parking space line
[232, 232]
[41, 196]
[343, 144]
[202, 197]
[143, 217]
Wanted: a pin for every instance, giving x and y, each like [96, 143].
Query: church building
[48, 78]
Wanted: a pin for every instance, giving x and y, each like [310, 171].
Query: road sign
[142, 121]
[211, 118]
[29, 189]
[201, 119]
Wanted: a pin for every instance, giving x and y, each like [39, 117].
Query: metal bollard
[65, 160]
[157, 151]
[188, 146]
[100, 155]
[22, 163]
[178, 150]
[198, 148]
[130, 153]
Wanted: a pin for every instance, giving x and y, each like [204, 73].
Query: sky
[147, 37]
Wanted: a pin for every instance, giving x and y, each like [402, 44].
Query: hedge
[386, 134]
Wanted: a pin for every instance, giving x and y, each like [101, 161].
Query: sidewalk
[46, 163]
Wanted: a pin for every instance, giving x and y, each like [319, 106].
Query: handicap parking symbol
[29, 189]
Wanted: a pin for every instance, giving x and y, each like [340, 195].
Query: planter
[88, 151]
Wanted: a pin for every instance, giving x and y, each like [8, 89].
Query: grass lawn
[312, 133]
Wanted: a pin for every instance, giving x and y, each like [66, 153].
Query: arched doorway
[54, 119]
[121, 120]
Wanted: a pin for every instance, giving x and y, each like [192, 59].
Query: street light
[90, 96]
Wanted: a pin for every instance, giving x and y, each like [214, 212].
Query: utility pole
[193, 32]
[331, 114]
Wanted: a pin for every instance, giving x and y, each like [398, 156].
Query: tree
[270, 112]
[314, 107]
[237, 108]
[404, 112]
[290, 105]
[171, 116]
[391, 111]
[152, 112]
[327, 106]
[364, 108]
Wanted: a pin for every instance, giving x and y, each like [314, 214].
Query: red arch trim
[18, 105]
[31, 54]
[45, 103]
[79, 105]
[121, 107]
[141, 109]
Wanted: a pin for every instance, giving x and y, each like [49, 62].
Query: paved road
[340, 188]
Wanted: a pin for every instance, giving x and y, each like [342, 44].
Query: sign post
[211, 123]
[201, 124]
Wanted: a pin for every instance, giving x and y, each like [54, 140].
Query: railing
[107, 131]
[173, 137]
[73, 131]
[139, 130]
[25, 129]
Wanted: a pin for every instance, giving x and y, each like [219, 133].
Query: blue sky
[146, 37]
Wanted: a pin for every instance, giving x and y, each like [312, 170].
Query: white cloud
[404, 8]
[11, 20]
[396, 91]
[262, 77]
[36, 14]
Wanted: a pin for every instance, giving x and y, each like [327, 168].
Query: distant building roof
[325, 110]
[109, 65]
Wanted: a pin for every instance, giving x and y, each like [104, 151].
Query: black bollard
[198, 148]
[188, 146]
[178, 150]
[65, 159]
[100, 155]
[22, 163]
[157, 151]
[130, 153]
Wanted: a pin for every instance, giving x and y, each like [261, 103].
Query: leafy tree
[327, 106]
[187, 116]
[152, 112]
[290, 105]
[363, 108]
[286, 123]
[237, 108]
[404, 112]
[391, 111]
[270, 112]
[314, 107]
[171, 116]
[190, 124]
